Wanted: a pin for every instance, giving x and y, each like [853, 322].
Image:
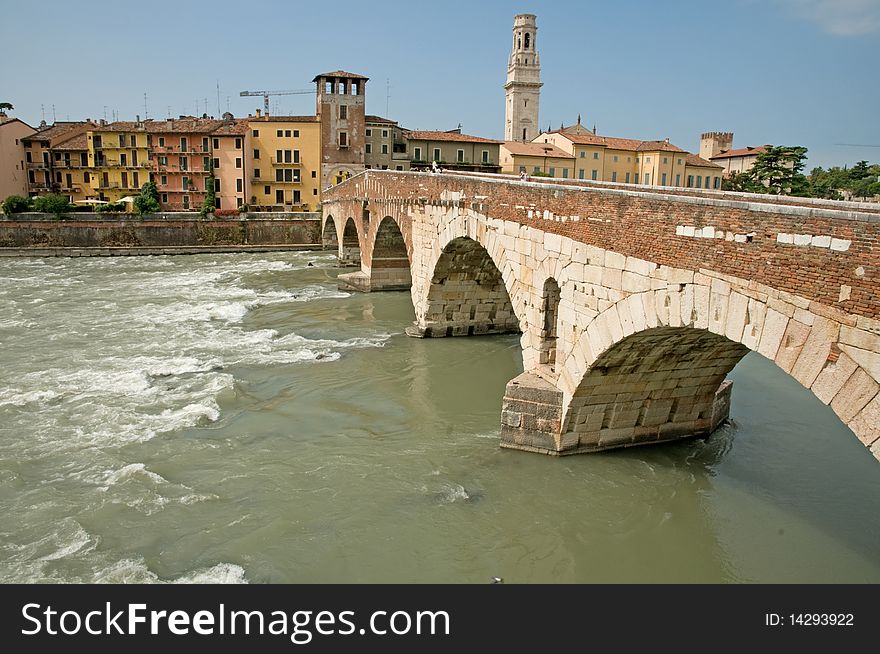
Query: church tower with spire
[523, 87]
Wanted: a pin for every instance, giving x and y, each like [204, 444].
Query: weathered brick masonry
[633, 304]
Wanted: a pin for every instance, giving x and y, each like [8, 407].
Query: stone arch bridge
[633, 302]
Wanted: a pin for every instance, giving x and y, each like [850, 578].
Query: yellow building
[284, 167]
[70, 161]
[119, 156]
[531, 158]
[702, 174]
[631, 161]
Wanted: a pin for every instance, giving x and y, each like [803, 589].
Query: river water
[235, 418]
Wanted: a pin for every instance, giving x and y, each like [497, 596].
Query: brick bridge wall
[660, 295]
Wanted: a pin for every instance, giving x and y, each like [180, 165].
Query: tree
[53, 203]
[208, 206]
[780, 170]
[4, 106]
[147, 201]
[741, 182]
[15, 204]
[860, 170]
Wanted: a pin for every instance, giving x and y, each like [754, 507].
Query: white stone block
[615, 260]
[679, 230]
[708, 232]
[639, 266]
[679, 276]
[840, 245]
[803, 239]
[634, 283]
[552, 242]
[736, 316]
[637, 310]
[739, 238]
[688, 230]
[626, 322]
[821, 242]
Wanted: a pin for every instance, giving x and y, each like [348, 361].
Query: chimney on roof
[579, 119]
[102, 122]
[666, 140]
[42, 123]
[259, 112]
[3, 117]
[594, 129]
[227, 117]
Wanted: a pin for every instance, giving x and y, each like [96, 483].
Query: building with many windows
[631, 161]
[385, 147]
[536, 158]
[452, 150]
[285, 166]
[230, 144]
[182, 160]
[41, 173]
[70, 163]
[119, 159]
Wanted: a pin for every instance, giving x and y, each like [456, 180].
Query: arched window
[528, 40]
[550, 309]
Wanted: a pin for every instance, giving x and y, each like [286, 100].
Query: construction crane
[266, 95]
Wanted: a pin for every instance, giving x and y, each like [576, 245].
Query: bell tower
[523, 87]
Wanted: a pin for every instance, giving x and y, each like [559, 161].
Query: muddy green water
[236, 418]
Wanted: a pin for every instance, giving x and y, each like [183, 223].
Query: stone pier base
[389, 279]
[531, 419]
[531, 415]
[358, 282]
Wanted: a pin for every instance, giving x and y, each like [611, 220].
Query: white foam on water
[129, 471]
[16, 397]
[135, 571]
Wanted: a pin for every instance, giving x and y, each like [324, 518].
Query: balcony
[37, 165]
[274, 162]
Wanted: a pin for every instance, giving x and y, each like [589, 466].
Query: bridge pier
[532, 412]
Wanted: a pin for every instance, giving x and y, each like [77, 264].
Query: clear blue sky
[795, 72]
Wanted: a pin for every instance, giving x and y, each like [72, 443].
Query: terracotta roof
[742, 152]
[78, 142]
[663, 146]
[697, 160]
[283, 119]
[535, 149]
[379, 119]
[446, 136]
[183, 125]
[121, 126]
[55, 131]
[339, 73]
[15, 120]
[237, 127]
[615, 143]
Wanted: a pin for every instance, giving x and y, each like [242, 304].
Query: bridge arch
[350, 249]
[390, 266]
[466, 295]
[329, 235]
[653, 367]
